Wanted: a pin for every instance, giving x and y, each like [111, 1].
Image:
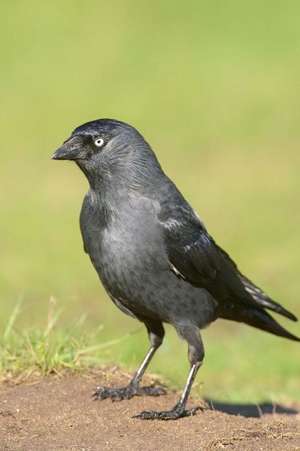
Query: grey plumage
[153, 254]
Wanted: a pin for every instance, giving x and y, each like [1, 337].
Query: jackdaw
[153, 253]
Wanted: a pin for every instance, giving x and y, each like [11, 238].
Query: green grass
[47, 350]
[214, 86]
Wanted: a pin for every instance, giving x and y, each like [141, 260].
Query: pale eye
[99, 142]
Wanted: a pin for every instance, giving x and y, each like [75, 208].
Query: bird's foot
[177, 412]
[118, 394]
[152, 390]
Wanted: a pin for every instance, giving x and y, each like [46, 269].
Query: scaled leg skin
[196, 356]
[156, 334]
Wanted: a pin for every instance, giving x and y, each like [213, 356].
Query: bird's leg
[196, 356]
[156, 334]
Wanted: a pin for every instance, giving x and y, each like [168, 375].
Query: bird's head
[105, 148]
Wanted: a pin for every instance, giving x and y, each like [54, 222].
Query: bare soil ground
[58, 413]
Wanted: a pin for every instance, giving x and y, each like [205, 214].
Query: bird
[154, 255]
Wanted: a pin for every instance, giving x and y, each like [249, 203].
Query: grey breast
[132, 263]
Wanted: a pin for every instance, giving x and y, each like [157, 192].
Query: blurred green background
[214, 87]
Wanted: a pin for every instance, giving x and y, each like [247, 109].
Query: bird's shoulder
[177, 218]
[192, 252]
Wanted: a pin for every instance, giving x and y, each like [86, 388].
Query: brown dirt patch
[59, 414]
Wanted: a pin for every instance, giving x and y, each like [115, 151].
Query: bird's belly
[145, 287]
[134, 269]
[129, 273]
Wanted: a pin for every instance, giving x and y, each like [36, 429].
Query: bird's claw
[118, 394]
[165, 415]
[152, 390]
[115, 394]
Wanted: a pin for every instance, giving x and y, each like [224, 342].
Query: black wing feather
[194, 256]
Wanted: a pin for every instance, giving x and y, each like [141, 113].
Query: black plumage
[153, 254]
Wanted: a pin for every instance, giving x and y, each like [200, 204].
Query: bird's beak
[70, 150]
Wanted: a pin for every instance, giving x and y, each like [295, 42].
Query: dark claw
[115, 394]
[152, 390]
[174, 414]
[118, 394]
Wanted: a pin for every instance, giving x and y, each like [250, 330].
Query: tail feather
[261, 299]
[259, 319]
[257, 295]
